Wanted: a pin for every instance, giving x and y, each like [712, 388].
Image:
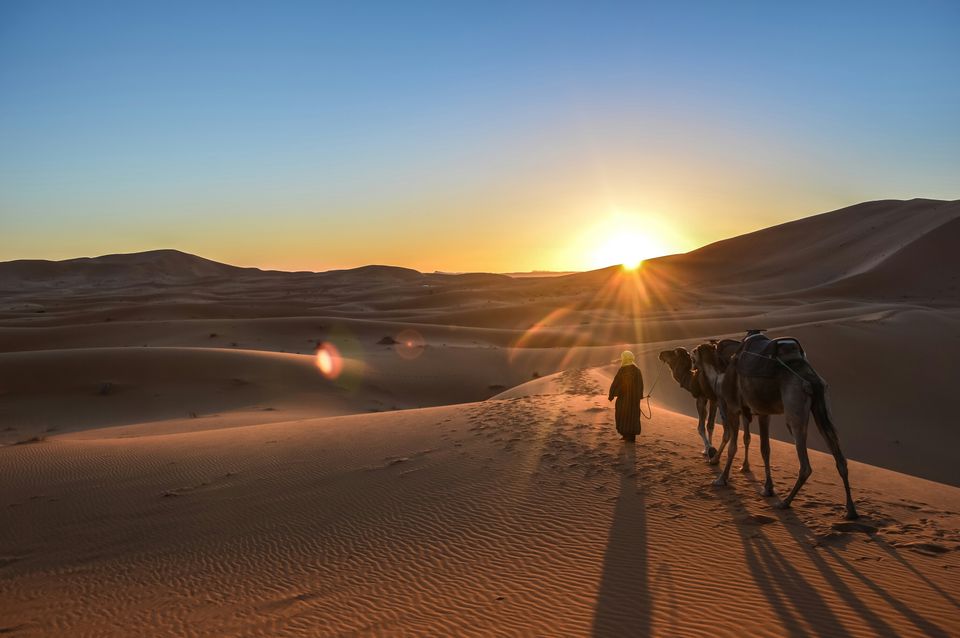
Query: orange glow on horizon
[624, 238]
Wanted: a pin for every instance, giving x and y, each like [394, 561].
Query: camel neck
[711, 375]
[685, 378]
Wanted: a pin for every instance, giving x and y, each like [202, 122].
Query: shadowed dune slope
[56, 391]
[51, 392]
[926, 269]
[817, 250]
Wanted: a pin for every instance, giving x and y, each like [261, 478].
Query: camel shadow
[800, 604]
[780, 582]
[624, 603]
[802, 534]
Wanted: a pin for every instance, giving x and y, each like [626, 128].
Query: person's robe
[627, 387]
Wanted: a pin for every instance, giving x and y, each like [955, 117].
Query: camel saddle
[761, 356]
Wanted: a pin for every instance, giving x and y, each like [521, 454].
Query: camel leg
[701, 425]
[715, 459]
[763, 424]
[798, 425]
[731, 430]
[830, 437]
[711, 419]
[746, 446]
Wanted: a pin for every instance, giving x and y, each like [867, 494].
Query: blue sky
[486, 136]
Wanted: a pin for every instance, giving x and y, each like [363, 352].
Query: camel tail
[822, 414]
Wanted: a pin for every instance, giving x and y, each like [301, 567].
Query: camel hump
[788, 349]
[726, 349]
[761, 356]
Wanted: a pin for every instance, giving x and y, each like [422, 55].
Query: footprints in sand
[570, 442]
[927, 536]
[930, 549]
[578, 382]
[891, 523]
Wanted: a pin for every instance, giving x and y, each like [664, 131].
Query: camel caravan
[762, 377]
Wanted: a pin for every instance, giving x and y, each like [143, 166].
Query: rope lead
[650, 394]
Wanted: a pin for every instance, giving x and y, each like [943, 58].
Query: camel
[693, 381]
[690, 379]
[793, 388]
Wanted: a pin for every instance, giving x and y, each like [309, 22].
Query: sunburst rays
[619, 312]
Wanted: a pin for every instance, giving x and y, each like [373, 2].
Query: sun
[626, 248]
[619, 237]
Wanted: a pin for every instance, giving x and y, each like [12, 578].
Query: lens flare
[410, 344]
[328, 360]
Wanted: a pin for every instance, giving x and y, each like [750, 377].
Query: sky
[493, 136]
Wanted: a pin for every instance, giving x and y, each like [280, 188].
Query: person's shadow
[624, 603]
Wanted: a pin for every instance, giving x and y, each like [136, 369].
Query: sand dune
[146, 267]
[818, 250]
[175, 463]
[98, 387]
[889, 414]
[933, 254]
[459, 520]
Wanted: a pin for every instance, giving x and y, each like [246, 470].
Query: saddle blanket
[758, 355]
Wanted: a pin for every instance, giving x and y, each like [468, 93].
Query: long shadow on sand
[803, 536]
[798, 603]
[624, 603]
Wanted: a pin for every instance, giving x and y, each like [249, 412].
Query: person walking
[627, 387]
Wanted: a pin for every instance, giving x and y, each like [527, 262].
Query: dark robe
[627, 386]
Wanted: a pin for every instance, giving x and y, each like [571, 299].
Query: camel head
[678, 360]
[705, 356]
[667, 357]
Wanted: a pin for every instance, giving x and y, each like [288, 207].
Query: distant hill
[118, 269]
[377, 272]
[878, 249]
[540, 273]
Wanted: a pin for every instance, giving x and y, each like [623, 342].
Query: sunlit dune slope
[523, 516]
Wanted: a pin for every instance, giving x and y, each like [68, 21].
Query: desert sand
[175, 462]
